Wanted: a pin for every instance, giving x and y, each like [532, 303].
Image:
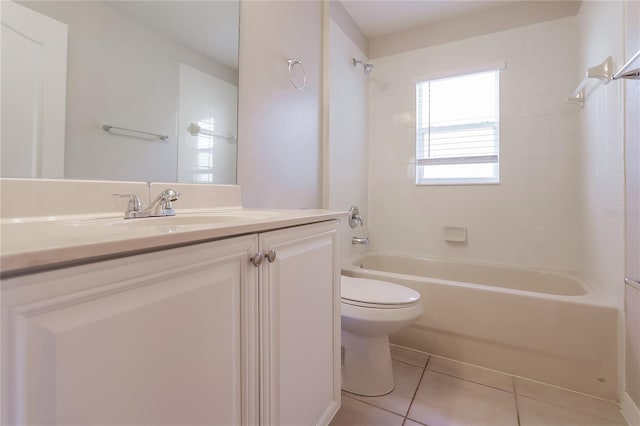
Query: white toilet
[371, 310]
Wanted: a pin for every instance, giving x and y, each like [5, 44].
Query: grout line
[348, 395]
[575, 410]
[560, 388]
[406, 416]
[515, 398]
[426, 364]
[408, 363]
[471, 381]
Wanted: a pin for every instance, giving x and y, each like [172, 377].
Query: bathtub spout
[360, 240]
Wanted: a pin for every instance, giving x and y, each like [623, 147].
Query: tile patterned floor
[436, 391]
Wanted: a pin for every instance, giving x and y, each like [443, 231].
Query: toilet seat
[370, 293]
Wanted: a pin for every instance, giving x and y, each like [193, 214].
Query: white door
[34, 80]
[168, 338]
[300, 326]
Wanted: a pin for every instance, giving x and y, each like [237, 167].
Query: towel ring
[292, 63]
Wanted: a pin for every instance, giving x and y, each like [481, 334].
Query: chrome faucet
[161, 206]
[359, 240]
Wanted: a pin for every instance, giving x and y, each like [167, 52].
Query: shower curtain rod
[631, 74]
[604, 72]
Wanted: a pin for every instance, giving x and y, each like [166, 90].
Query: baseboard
[630, 410]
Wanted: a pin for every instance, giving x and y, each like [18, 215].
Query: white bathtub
[539, 325]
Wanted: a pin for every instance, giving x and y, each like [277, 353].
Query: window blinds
[457, 120]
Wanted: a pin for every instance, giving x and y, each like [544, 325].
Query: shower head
[367, 67]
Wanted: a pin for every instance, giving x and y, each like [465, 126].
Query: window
[204, 152]
[457, 129]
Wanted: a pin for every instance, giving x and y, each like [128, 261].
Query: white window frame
[420, 134]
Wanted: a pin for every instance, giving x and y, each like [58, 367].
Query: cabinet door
[167, 338]
[300, 326]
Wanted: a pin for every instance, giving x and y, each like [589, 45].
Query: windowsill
[458, 182]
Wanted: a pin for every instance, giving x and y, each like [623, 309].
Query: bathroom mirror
[133, 90]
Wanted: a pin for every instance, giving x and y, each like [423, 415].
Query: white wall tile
[601, 129]
[538, 138]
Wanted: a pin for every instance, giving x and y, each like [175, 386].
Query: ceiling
[377, 18]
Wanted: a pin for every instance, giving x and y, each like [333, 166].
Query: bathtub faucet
[359, 240]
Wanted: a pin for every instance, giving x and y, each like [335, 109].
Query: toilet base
[366, 365]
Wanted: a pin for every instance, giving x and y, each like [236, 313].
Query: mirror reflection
[120, 90]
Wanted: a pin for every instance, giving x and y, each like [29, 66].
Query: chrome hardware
[271, 256]
[196, 130]
[631, 75]
[292, 63]
[162, 206]
[360, 240]
[632, 282]
[367, 67]
[354, 217]
[256, 260]
[623, 73]
[134, 208]
[107, 128]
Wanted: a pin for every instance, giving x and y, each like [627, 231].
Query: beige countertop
[36, 243]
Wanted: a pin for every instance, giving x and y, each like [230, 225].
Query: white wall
[501, 16]
[348, 144]
[632, 243]
[279, 154]
[122, 74]
[531, 218]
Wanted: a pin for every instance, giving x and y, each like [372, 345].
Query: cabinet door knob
[271, 256]
[256, 260]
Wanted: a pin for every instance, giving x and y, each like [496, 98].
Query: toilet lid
[365, 290]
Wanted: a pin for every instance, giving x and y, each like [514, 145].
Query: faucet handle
[170, 195]
[134, 206]
[354, 217]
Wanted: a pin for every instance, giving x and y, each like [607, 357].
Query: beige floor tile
[445, 400]
[356, 413]
[572, 400]
[412, 423]
[471, 373]
[398, 353]
[406, 379]
[538, 413]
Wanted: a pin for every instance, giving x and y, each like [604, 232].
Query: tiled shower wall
[530, 218]
[601, 123]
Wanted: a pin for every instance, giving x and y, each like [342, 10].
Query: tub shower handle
[354, 217]
[271, 256]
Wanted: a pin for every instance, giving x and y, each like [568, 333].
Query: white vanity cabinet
[190, 335]
[300, 326]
